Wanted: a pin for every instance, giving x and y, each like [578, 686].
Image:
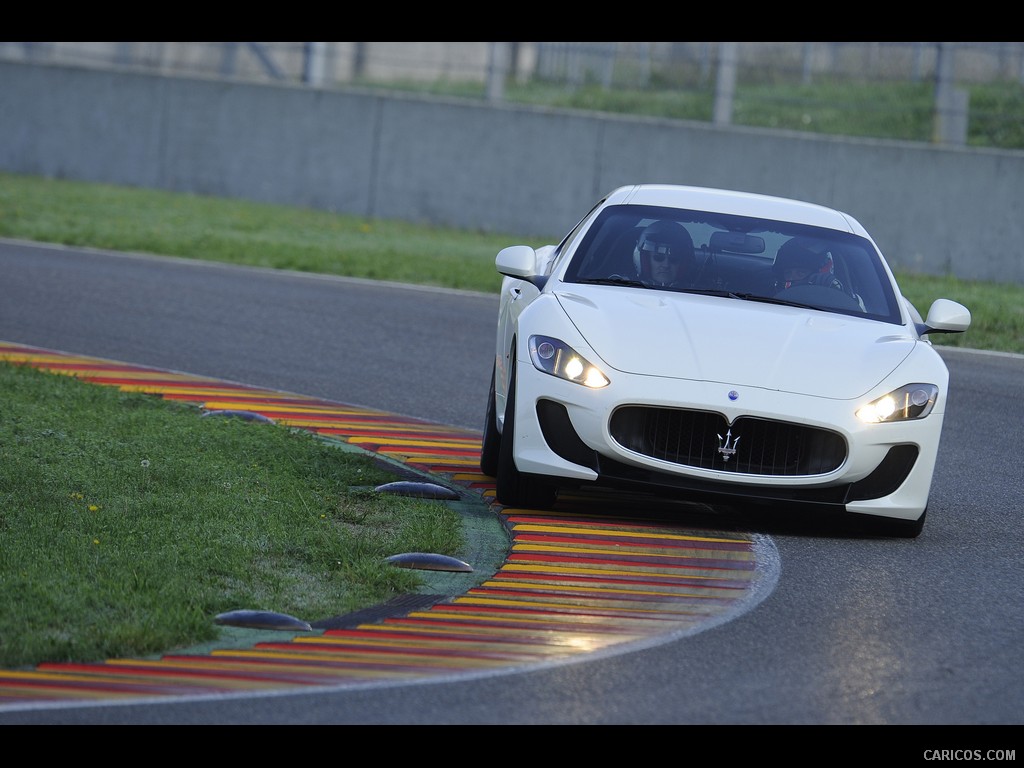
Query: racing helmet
[803, 253]
[664, 238]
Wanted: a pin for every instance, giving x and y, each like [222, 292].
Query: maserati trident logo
[727, 445]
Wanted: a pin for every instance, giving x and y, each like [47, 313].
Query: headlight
[913, 401]
[559, 359]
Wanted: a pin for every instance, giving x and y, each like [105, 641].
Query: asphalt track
[545, 588]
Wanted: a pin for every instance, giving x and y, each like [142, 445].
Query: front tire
[515, 488]
[490, 446]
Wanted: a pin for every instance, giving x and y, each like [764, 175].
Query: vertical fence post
[358, 60]
[807, 57]
[644, 76]
[313, 64]
[951, 103]
[606, 55]
[725, 87]
[497, 71]
[229, 55]
[514, 57]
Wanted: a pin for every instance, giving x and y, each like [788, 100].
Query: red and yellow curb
[591, 576]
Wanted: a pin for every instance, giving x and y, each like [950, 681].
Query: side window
[562, 247]
[863, 279]
[607, 248]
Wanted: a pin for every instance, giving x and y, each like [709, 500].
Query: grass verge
[281, 237]
[129, 522]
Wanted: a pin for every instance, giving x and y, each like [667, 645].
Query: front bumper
[563, 432]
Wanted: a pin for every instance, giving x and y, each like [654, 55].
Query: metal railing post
[725, 86]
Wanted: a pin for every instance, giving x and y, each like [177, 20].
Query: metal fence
[486, 69]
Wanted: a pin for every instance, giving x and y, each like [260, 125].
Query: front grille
[694, 439]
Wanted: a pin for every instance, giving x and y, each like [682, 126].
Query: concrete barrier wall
[519, 170]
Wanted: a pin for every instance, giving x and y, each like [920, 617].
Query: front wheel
[490, 446]
[515, 488]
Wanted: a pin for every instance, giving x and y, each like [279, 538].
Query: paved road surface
[856, 631]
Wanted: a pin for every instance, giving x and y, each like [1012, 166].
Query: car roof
[731, 201]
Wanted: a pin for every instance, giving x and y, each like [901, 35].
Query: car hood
[738, 342]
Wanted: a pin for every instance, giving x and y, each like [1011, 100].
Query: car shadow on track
[777, 520]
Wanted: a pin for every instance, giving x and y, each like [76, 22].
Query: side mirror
[520, 261]
[517, 261]
[946, 316]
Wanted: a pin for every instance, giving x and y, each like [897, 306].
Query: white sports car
[716, 346]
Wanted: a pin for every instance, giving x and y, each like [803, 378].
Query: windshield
[741, 257]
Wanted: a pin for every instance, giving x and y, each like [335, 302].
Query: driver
[664, 255]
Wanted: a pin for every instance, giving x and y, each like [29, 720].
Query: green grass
[236, 232]
[128, 522]
[997, 310]
[280, 237]
[900, 110]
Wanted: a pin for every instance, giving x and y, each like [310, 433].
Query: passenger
[798, 264]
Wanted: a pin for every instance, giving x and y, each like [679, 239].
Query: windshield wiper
[748, 297]
[725, 294]
[630, 283]
[775, 300]
[618, 280]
